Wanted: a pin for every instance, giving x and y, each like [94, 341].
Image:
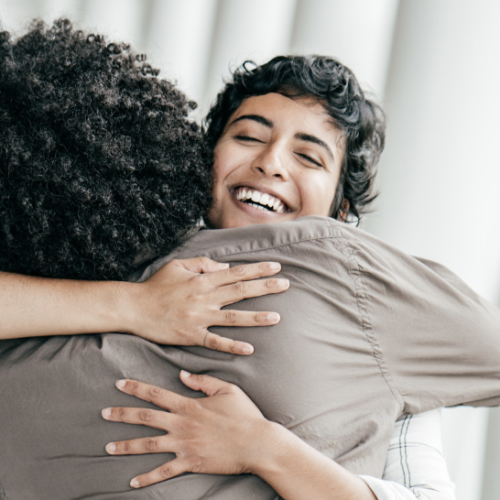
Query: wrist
[123, 307]
[296, 470]
[274, 445]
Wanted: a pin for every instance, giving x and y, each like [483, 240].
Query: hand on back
[183, 299]
[223, 433]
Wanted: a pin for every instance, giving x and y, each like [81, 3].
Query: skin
[287, 148]
[176, 306]
[291, 150]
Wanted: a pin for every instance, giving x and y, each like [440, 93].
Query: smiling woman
[276, 152]
[333, 126]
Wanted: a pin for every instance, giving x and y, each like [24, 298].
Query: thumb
[207, 384]
[202, 265]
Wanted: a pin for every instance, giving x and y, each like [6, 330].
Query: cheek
[317, 196]
[216, 168]
[225, 158]
[220, 173]
[221, 170]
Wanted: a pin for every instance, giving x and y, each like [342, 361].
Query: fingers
[237, 318]
[223, 344]
[163, 398]
[166, 471]
[140, 416]
[245, 272]
[207, 384]
[245, 318]
[233, 318]
[142, 446]
[247, 289]
[202, 265]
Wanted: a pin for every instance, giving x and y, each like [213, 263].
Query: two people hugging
[102, 174]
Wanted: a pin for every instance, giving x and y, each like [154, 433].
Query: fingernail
[134, 483]
[247, 349]
[106, 413]
[111, 447]
[275, 266]
[273, 317]
[225, 265]
[121, 384]
[283, 283]
[184, 373]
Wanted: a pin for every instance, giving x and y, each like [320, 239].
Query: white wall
[358, 32]
[440, 174]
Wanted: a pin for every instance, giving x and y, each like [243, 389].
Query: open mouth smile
[260, 200]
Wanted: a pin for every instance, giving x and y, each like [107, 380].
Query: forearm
[32, 307]
[297, 471]
[175, 305]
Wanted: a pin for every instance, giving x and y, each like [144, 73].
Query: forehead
[274, 103]
[303, 114]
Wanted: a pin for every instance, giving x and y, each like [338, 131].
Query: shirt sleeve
[415, 468]
[437, 342]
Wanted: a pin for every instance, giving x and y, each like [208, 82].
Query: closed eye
[308, 158]
[247, 138]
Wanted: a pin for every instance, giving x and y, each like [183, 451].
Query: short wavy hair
[336, 88]
[100, 166]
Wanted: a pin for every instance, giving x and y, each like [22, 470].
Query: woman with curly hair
[293, 140]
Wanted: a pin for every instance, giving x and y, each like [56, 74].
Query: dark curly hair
[337, 89]
[99, 164]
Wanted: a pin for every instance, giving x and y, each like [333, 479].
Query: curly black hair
[336, 88]
[99, 164]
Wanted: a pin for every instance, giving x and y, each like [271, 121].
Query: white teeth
[260, 199]
[256, 196]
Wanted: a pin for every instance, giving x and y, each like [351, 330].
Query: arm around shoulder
[174, 306]
[32, 306]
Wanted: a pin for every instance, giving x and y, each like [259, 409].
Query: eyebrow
[300, 135]
[314, 140]
[256, 118]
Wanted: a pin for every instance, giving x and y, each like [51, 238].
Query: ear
[343, 210]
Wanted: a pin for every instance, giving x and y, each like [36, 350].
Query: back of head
[336, 88]
[99, 164]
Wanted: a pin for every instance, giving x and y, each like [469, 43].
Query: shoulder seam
[355, 272]
[174, 255]
[289, 243]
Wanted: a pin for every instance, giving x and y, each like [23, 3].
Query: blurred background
[434, 65]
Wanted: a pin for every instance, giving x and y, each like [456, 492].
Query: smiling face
[277, 159]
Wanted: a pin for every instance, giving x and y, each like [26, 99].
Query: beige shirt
[367, 334]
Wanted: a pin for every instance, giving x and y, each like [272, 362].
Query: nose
[271, 163]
